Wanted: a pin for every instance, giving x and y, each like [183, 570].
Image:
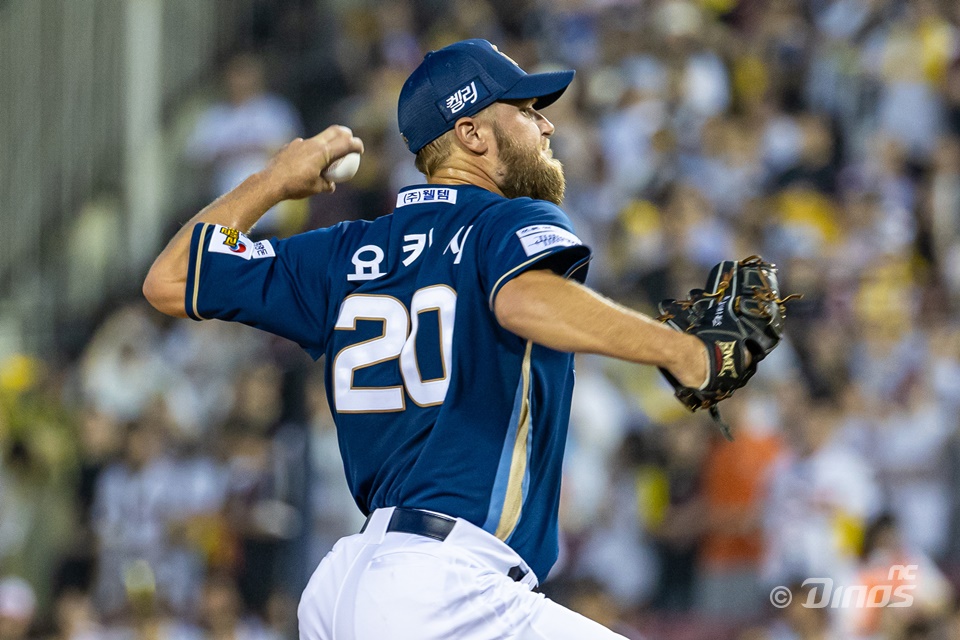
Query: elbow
[164, 297]
[150, 291]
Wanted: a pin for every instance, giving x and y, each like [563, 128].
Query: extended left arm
[565, 315]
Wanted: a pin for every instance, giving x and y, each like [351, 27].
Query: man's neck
[464, 175]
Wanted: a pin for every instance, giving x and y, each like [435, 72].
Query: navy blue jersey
[437, 406]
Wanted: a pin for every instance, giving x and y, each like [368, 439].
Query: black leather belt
[430, 525]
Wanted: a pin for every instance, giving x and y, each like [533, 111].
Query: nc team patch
[232, 242]
[263, 249]
[541, 237]
[424, 196]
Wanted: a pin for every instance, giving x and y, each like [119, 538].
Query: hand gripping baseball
[739, 317]
[297, 168]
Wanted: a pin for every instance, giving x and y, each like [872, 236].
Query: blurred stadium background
[170, 479]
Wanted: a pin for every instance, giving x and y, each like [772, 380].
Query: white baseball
[343, 169]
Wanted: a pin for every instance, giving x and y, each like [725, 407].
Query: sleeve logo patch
[541, 237]
[263, 249]
[232, 242]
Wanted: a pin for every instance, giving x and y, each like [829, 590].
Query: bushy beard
[528, 172]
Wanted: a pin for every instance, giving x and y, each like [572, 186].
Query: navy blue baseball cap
[461, 80]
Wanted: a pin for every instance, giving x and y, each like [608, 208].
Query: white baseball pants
[401, 586]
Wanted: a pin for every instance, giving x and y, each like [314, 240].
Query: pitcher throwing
[449, 328]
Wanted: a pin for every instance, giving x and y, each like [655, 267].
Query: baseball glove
[739, 316]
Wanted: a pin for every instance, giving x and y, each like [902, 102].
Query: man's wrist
[271, 190]
[242, 207]
[692, 367]
[702, 352]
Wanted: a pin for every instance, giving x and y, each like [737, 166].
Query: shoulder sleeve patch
[232, 242]
[540, 237]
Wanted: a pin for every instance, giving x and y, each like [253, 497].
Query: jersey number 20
[397, 339]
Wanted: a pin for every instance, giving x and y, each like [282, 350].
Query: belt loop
[375, 526]
[516, 573]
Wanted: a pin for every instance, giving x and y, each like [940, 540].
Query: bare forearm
[295, 172]
[239, 209]
[567, 316]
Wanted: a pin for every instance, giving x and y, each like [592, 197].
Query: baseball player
[449, 328]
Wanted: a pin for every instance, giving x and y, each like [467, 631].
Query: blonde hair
[434, 154]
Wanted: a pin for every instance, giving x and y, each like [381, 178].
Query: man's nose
[545, 125]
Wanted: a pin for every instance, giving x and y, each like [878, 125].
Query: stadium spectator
[890, 564]
[130, 516]
[234, 138]
[18, 605]
[736, 478]
[221, 613]
[821, 496]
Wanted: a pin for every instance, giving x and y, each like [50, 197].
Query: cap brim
[545, 87]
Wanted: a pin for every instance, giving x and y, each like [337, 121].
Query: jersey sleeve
[277, 286]
[529, 234]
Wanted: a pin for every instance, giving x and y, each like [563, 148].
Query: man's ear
[473, 134]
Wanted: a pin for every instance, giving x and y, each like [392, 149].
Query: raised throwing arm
[293, 173]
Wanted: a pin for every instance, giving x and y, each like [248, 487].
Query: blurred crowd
[172, 479]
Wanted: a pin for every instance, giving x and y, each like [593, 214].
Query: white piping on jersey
[577, 267]
[519, 266]
[513, 500]
[196, 268]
